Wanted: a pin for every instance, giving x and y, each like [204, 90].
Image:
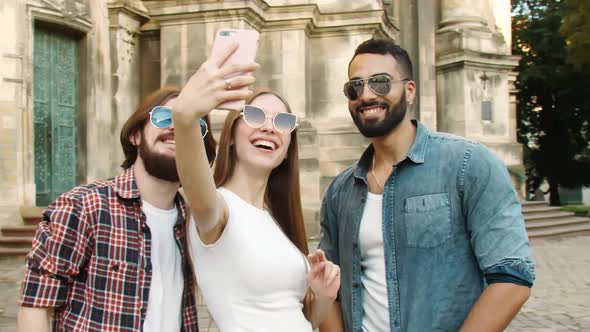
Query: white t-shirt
[165, 299]
[252, 278]
[375, 305]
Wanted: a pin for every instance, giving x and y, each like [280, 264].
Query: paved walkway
[560, 300]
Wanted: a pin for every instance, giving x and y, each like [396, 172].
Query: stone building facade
[71, 71]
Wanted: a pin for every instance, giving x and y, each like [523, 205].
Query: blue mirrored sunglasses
[161, 117]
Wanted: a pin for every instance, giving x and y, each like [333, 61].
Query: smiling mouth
[168, 141]
[264, 145]
[372, 110]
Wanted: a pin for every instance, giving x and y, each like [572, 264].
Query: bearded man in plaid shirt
[111, 255]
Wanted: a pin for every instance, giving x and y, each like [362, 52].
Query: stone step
[32, 215]
[534, 203]
[16, 241]
[556, 223]
[539, 209]
[533, 217]
[24, 230]
[12, 252]
[577, 229]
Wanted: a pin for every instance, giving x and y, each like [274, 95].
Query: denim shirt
[452, 224]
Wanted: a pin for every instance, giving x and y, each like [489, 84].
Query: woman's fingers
[237, 68]
[333, 274]
[236, 82]
[219, 58]
[234, 95]
[321, 255]
[318, 255]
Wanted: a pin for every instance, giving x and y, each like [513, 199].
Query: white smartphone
[245, 53]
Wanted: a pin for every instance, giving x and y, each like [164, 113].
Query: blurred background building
[72, 71]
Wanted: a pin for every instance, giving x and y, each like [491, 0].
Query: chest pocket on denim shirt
[428, 220]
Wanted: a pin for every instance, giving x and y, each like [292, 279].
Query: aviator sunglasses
[161, 117]
[380, 84]
[256, 117]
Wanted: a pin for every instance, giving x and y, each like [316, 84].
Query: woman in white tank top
[247, 236]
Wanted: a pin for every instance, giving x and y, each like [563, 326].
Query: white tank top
[253, 278]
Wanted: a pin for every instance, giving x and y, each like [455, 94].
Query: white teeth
[373, 110]
[264, 143]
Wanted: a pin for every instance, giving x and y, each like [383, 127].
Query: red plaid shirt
[91, 260]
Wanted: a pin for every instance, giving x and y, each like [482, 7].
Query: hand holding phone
[247, 41]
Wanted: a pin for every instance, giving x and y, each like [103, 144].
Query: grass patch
[578, 209]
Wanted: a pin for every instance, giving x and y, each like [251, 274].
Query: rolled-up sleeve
[59, 250]
[494, 219]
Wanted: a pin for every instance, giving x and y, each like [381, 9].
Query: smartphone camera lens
[225, 33]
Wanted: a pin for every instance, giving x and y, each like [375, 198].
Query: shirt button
[115, 268]
[355, 245]
[356, 285]
[395, 323]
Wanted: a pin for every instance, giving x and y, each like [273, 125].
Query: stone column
[470, 14]
[474, 69]
[13, 112]
[125, 19]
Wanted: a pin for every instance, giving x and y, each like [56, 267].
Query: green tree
[553, 113]
[576, 29]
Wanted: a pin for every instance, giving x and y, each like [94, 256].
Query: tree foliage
[554, 92]
[576, 30]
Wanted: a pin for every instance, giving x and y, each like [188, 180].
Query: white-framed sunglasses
[256, 117]
[161, 117]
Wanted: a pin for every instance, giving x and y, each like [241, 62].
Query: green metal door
[55, 96]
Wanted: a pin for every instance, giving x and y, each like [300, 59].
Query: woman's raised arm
[204, 91]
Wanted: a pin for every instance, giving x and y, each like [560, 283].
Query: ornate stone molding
[263, 17]
[132, 8]
[73, 14]
[473, 59]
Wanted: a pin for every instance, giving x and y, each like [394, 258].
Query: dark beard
[156, 165]
[393, 117]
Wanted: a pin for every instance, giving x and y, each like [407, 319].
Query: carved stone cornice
[471, 59]
[71, 13]
[132, 8]
[263, 17]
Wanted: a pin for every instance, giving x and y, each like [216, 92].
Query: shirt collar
[125, 185]
[418, 149]
[416, 154]
[126, 188]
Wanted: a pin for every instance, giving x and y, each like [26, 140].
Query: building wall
[130, 47]
[108, 76]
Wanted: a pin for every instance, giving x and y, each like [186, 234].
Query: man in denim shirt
[426, 227]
